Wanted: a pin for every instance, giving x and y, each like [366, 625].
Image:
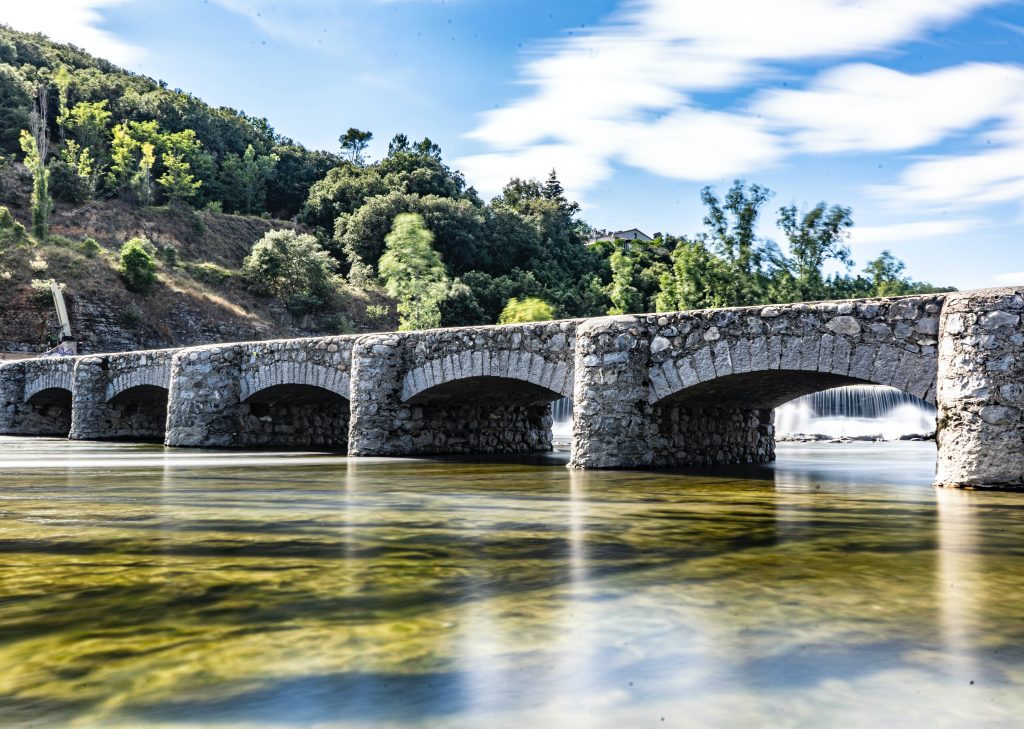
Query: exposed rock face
[981, 390]
[680, 389]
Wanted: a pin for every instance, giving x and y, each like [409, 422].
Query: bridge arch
[489, 366]
[298, 413]
[57, 378]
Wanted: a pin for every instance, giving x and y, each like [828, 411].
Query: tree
[553, 190]
[88, 123]
[353, 145]
[35, 145]
[244, 180]
[624, 296]
[527, 310]
[177, 180]
[136, 265]
[732, 225]
[815, 238]
[15, 106]
[294, 268]
[696, 280]
[413, 273]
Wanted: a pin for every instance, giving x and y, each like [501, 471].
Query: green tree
[35, 145]
[177, 181]
[11, 231]
[624, 296]
[413, 273]
[15, 107]
[294, 268]
[814, 239]
[243, 180]
[696, 280]
[732, 235]
[88, 123]
[353, 145]
[526, 310]
[137, 266]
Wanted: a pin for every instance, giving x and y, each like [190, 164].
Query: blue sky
[909, 111]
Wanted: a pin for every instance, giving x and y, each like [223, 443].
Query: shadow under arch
[484, 414]
[137, 413]
[49, 411]
[294, 415]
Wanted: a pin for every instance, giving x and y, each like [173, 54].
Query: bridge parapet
[471, 390]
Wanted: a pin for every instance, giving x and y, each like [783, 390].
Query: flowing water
[856, 411]
[837, 588]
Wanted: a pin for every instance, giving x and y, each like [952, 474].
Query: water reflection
[834, 588]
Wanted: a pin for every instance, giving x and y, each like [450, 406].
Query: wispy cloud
[304, 23]
[72, 21]
[625, 92]
[899, 233]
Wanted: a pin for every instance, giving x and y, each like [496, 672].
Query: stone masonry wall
[478, 389]
[980, 430]
[757, 357]
[214, 391]
[35, 397]
[122, 396]
[708, 436]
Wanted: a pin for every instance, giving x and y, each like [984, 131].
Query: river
[836, 588]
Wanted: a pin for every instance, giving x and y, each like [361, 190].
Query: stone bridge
[650, 391]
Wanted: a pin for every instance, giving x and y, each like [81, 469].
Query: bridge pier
[980, 428]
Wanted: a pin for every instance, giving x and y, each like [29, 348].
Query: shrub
[11, 231]
[60, 241]
[41, 291]
[294, 268]
[209, 273]
[38, 264]
[214, 206]
[89, 248]
[137, 267]
[527, 310]
[169, 255]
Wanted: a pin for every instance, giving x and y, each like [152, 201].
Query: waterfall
[856, 411]
[561, 414]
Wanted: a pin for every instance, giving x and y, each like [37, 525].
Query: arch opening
[138, 413]
[47, 412]
[295, 415]
[481, 414]
[731, 419]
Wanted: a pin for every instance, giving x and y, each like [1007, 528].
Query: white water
[860, 410]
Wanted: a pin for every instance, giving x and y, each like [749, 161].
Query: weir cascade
[649, 390]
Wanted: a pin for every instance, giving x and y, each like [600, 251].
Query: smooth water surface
[148, 587]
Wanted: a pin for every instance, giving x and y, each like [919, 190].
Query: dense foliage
[117, 133]
[406, 222]
[137, 266]
[293, 268]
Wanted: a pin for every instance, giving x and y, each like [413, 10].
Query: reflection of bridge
[653, 390]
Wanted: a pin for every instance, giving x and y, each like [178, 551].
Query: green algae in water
[144, 586]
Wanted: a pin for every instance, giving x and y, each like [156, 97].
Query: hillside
[200, 298]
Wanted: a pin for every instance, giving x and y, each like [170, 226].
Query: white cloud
[1009, 278]
[72, 21]
[298, 22]
[893, 235]
[597, 92]
[863, 107]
